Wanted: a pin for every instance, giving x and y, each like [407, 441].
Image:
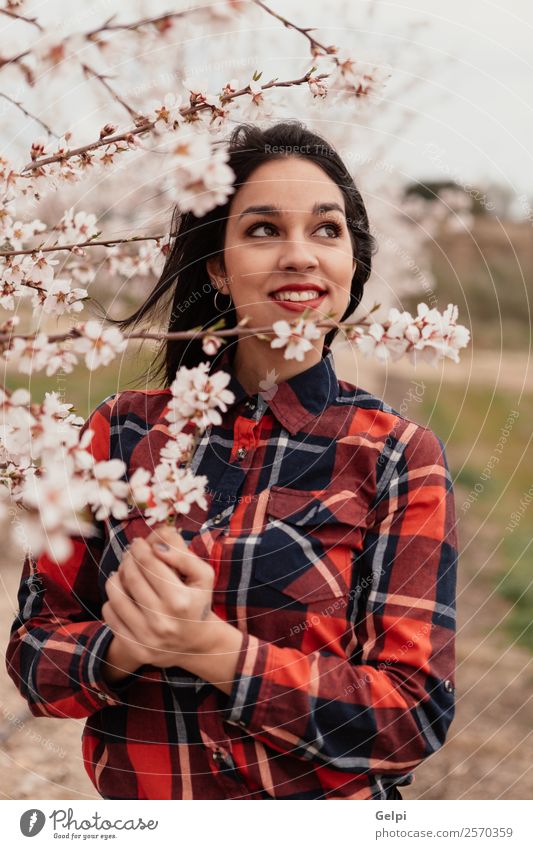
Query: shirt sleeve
[388, 705]
[58, 641]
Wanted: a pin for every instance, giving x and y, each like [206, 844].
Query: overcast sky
[479, 106]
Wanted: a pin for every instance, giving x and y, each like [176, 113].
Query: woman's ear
[217, 274]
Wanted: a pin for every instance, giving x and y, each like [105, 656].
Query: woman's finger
[162, 578]
[134, 581]
[119, 628]
[124, 606]
[174, 551]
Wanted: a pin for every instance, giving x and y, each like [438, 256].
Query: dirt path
[486, 755]
[40, 758]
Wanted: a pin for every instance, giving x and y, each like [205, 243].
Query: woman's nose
[296, 254]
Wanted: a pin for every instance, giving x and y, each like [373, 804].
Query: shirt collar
[296, 401]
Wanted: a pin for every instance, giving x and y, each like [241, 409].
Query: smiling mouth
[296, 297]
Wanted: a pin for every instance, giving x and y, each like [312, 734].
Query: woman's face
[299, 239]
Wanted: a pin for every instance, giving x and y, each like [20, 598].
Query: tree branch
[109, 243]
[148, 125]
[187, 334]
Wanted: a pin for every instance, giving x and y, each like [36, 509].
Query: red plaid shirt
[331, 529]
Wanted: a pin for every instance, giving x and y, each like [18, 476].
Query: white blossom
[178, 448]
[295, 338]
[317, 87]
[57, 298]
[201, 177]
[255, 106]
[196, 395]
[10, 289]
[57, 498]
[30, 354]
[431, 333]
[17, 233]
[40, 269]
[211, 344]
[139, 484]
[99, 346]
[106, 492]
[167, 114]
[76, 227]
[174, 490]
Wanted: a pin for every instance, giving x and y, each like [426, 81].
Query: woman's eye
[331, 226]
[264, 225]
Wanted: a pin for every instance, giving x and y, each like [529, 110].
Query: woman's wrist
[118, 662]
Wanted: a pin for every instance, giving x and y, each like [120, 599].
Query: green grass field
[470, 423]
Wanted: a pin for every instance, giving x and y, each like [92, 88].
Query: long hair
[184, 286]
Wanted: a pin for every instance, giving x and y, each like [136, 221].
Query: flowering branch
[91, 243]
[431, 333]
[348, 79]
[147, 125]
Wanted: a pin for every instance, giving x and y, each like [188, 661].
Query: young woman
[296, 639]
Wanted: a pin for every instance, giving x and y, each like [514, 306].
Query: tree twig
[316, 46]
[29, 114]
[109, 27]
[20, 17]
[100, 77]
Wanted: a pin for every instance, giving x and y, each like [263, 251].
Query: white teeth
[296, 296]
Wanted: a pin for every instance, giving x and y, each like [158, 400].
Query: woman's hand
[159, 601]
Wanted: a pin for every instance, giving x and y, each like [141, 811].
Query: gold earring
[220, 292]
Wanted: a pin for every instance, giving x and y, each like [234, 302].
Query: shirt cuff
[95, 685]
[248, 700]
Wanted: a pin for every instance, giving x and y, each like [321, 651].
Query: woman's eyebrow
[317, 209]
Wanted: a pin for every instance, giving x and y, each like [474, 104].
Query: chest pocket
[307, 543]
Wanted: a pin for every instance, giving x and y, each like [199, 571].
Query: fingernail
[162, 546]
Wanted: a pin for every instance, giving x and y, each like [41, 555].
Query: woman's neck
[258, 367]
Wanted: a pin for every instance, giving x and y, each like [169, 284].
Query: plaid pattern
[331, 529]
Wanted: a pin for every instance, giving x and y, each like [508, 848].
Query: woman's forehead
[290, 184]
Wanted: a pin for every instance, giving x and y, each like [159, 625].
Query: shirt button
[251, 405]
[448, 686]
[241, 453]
[217, 518]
